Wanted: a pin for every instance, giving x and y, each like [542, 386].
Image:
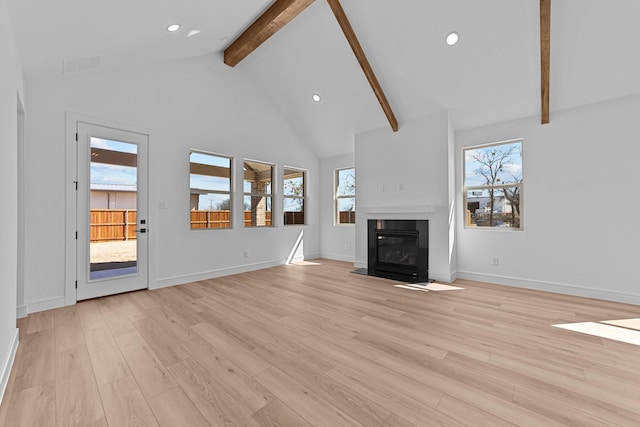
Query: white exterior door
[112, 243]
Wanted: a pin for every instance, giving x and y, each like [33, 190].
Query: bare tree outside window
[493, 185]
[294, 196]
[345, 195]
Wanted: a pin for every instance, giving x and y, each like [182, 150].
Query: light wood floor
[316, 345]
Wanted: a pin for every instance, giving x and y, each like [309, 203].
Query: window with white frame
[345, 196]
[493, 185]
[210, 190]
[293, 194]
[258, 193]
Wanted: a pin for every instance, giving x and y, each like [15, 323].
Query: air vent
[81, 65]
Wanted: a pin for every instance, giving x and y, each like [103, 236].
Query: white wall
[194, 103]
[337, 241]
[575, 239]
[405, 175]
[11, 88]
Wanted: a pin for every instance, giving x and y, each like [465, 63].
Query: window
[293, 195]
[493, 185]
[258, 179]
[345, 196]
[210, 190]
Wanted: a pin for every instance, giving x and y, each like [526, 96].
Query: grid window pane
[258, 180]
[294, 196]
[293, 211]
[493, 188]
[210, 190]
[345, 196]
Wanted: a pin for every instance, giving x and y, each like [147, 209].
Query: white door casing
[111, 140]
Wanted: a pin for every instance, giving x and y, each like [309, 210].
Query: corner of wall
[8, 364]
[21, 311]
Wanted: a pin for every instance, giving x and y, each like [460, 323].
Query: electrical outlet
[495, 262]
[246, 254]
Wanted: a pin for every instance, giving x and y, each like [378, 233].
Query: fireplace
[398, 249]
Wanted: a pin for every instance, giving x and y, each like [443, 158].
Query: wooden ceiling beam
[344, 23]
[545, 56]
[279, 14]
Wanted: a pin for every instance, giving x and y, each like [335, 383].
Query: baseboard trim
[212, 274]
[297, 259]
[45, 304]
[21, 311]
[335, 257]
[8, 364]
[307, 257]
[441, 277]
[560, 288]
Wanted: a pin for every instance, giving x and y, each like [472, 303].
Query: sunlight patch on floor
[603, 331]
[305, 263]
[426, 287]
[438, 287]
[412, 288]
[625, 323]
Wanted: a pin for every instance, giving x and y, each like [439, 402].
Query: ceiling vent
[80, 65]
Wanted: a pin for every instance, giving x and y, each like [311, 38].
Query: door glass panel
[113, 179]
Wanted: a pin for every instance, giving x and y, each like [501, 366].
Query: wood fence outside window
[347, 217]
[120, 224]
[112, 224]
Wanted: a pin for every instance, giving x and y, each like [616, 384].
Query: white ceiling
[492, 75]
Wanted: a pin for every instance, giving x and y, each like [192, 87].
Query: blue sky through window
[511, 170]
[103, 173]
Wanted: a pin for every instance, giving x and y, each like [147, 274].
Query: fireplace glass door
[397, 251]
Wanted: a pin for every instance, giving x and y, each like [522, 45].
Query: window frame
[337, 197]
[230, 193]
[264, 194]
[466, 189]
[286, 197]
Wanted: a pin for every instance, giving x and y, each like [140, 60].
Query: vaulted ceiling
[491, 75]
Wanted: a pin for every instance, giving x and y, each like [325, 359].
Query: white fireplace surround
[437, 216]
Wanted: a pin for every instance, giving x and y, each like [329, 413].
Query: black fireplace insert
[398, 249]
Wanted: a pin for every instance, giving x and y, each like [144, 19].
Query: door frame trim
[71, 174]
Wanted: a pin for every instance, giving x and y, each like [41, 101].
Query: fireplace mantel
[391, 210]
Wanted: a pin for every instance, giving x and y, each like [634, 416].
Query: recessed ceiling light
[193, 33]
[173, 28]
[452, 38]
[316, 97]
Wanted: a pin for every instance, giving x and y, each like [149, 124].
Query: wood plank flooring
[315, 345]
